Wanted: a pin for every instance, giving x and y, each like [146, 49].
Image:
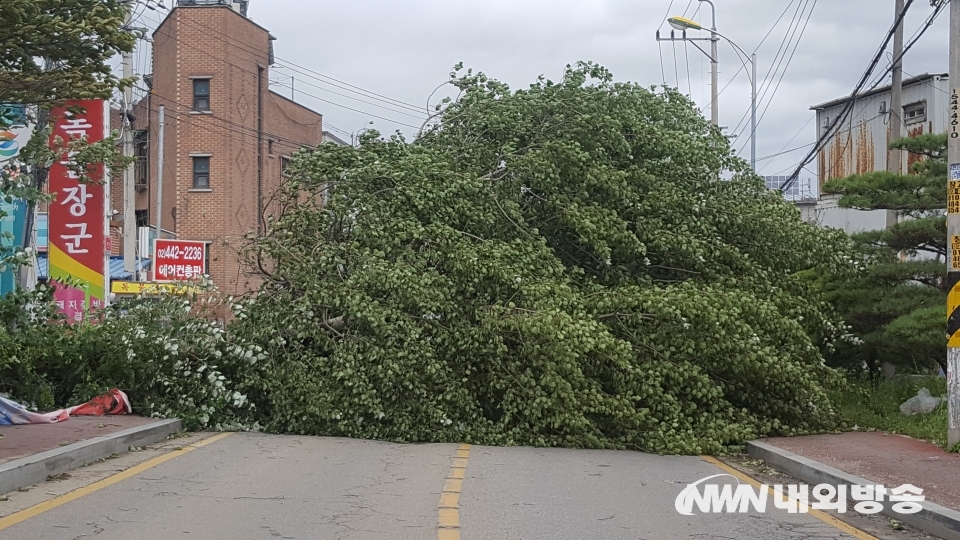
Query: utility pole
[714, 68]
[684, 24]
[953, 233]
[895, 124]
[753, 113]
[895, 127]
[129, 191]
[159, 217]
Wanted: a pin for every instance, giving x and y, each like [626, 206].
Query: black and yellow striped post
[953, 232]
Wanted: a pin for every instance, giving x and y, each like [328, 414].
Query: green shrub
[159, 351]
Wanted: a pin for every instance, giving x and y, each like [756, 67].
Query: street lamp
[683, 24]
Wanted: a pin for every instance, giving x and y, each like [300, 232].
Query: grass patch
[868, 405]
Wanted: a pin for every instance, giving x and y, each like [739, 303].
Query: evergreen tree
[896, 305]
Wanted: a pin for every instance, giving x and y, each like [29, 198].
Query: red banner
[178, 260]
[77, 214]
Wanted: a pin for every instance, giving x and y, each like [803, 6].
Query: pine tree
[896, 305]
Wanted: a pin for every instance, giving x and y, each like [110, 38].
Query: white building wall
[860, 145]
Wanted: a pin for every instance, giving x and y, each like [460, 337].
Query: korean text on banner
[178, 260]
[77, 214]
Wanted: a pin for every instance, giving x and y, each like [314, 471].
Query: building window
[142, 218]
[284, 163]
[142, 168]
[201, 94]
[915, 112]
[201, 173]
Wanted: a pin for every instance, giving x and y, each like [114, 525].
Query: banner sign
[40, 225]
[13, 228]
[178, 260]
[15, 131]
[77, 215]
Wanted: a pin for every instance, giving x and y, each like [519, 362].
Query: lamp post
[683, 24]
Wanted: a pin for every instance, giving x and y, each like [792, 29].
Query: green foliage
[890, 191]
[871, 404]
[160, 351]
[52, 51]
[75, 37]
[560, 265]
[895, 305]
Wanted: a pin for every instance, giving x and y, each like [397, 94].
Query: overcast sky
[403, 49]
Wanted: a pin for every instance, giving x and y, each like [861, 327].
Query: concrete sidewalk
[21, 441]
[30, 454]
[891, 460]
[859, 458]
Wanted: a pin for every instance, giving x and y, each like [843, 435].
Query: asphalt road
[253, 486]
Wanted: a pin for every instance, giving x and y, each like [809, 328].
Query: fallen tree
[560, 265]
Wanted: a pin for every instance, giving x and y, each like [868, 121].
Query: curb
[36, 468]
[933, 519]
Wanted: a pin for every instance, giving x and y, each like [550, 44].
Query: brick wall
[232, 52]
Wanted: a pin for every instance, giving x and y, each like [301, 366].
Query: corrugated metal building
[859, 146]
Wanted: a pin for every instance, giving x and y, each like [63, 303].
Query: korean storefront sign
[77, 216]
[178, 260]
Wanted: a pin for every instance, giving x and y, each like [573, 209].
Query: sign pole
[953, 233]
[106, 214]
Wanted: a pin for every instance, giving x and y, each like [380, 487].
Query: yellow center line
[819, 514]
[448, 512]
[33, 511]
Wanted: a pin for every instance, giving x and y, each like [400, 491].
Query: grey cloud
[405, 48]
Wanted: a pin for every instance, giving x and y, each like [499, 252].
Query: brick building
[227, 137]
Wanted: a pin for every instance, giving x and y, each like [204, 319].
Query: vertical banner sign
[77, 213]
[13, 227]
[178, 260]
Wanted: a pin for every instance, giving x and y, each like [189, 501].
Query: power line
[789, 60]
[771, 156]
[848, 106]
[777, 23]
[786, 67]
[913, 41]
[676, 70]
[357, 89]
[354, 110]
[239, 128]
[243, 46]
[667, 14]
[778, 61]
[244, 69]
[797, 134]
[421, 116]
[741, 68]
[420, 113]
[307, 71]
